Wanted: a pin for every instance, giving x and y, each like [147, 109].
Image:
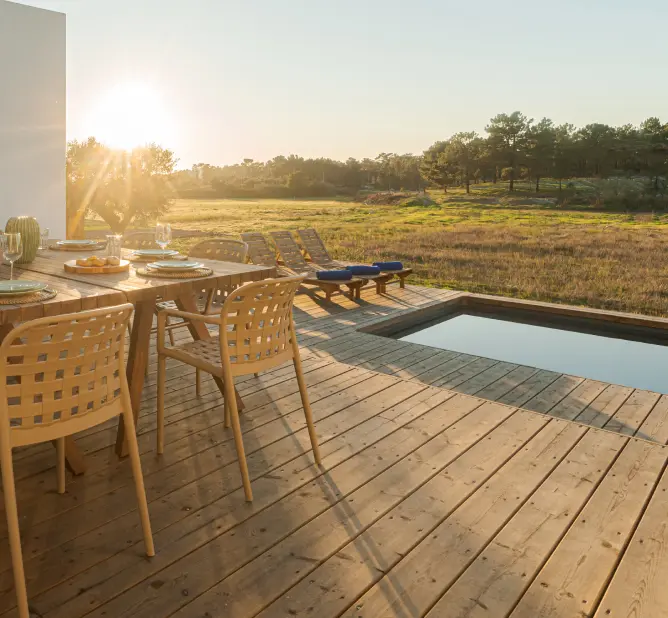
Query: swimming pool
[625, 351]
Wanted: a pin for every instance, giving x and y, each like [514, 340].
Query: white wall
[32, 115]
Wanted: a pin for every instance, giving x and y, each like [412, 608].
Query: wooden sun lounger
[261, 253]
[292, 256]
[319, 255]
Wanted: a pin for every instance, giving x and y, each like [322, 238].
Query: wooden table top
[77, 292]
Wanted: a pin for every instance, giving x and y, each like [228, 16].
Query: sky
[217, 81]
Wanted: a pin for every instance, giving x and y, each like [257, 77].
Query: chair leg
[60, 464]
[12, 514]
[238, 439]
[227, 414]
[198, 383]
[307, 408]
[162, 368]
[256, 374]
[169, 331]
[133, 452]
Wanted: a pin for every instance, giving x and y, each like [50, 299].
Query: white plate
[155, 252]
[176, 266]
[16, 288]
[77, 243]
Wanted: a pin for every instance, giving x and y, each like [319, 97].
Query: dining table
[81, 291]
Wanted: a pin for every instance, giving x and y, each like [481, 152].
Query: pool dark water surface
[608, 359]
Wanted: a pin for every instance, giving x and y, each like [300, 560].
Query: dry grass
[599, 259]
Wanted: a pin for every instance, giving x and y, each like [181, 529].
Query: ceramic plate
[155, 252]
[15, 288]
[77, 243]
[175, 265]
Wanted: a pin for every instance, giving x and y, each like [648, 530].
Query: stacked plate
[176, 267]
[77, 244]
[154, 254]
[20, 288]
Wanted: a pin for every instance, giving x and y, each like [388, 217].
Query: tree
[463, 154]
[437, 169]
[508, 138]
[564, 152]
[541, 144]
[654, 149]
[120, 187]
[297, 183]
[596, 146]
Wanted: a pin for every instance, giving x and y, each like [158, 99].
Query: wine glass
[163, 235]
[13, 250]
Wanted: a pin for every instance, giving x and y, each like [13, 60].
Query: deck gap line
[129, 481]
[554, 546]
[466, 450]
[546, 423]
[319, 475]
[632, 533]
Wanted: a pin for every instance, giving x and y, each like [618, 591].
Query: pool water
[608, 359]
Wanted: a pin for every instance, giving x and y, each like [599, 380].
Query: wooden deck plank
[577, 573]
[638, 587]
[633, 412]
[578, 399]
[485, 378]
[529, 389]
[416, 582]
[507, 383]
[468, 371]
[605, 406]
[497, 578]
[655, 426]
[376, 451]
[298, 555]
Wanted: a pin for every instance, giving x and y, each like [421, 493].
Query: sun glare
[131, 115]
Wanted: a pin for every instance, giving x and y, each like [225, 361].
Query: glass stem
[11, 270]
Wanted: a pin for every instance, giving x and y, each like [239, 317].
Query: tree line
[515, 147]
[127, 187]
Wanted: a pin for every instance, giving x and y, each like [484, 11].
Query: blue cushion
[334, 275]
[389, 265]
[364, 270]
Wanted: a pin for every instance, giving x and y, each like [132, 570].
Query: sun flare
[131, 115]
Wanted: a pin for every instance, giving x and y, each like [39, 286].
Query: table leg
[138, 352]
[198, 330]
[73, 456]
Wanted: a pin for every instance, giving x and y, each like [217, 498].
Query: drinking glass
[44, 238]
[13, 250]
[114, 242]
[163, 235]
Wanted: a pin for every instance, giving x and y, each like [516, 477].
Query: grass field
[478, 243]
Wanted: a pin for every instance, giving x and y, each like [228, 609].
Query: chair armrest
[186, 315]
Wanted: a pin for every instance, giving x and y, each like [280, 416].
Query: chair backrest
[257, 330]
[59, 371]
[289, 250]
[222, 249]
[140, 240]
[259, 250]
[314, 246]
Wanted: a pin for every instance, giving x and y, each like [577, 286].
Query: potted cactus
[29, 230]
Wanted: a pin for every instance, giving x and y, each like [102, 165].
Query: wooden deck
[429, 502]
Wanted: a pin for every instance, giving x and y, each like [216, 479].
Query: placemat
[35, 297]
[154, 258]
[97, 247]
[190, 274]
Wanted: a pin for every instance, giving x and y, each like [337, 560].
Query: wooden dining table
[77, 292]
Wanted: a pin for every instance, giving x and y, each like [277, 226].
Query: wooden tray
[71, 266]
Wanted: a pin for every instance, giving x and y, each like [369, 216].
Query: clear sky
[228, 79]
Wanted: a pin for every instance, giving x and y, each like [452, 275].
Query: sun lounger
[260, 252]
[319, 255]
[292, 256]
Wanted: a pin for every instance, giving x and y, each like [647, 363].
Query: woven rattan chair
[224, 250]
[60, 376]
[319, 255]
[256, 332]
